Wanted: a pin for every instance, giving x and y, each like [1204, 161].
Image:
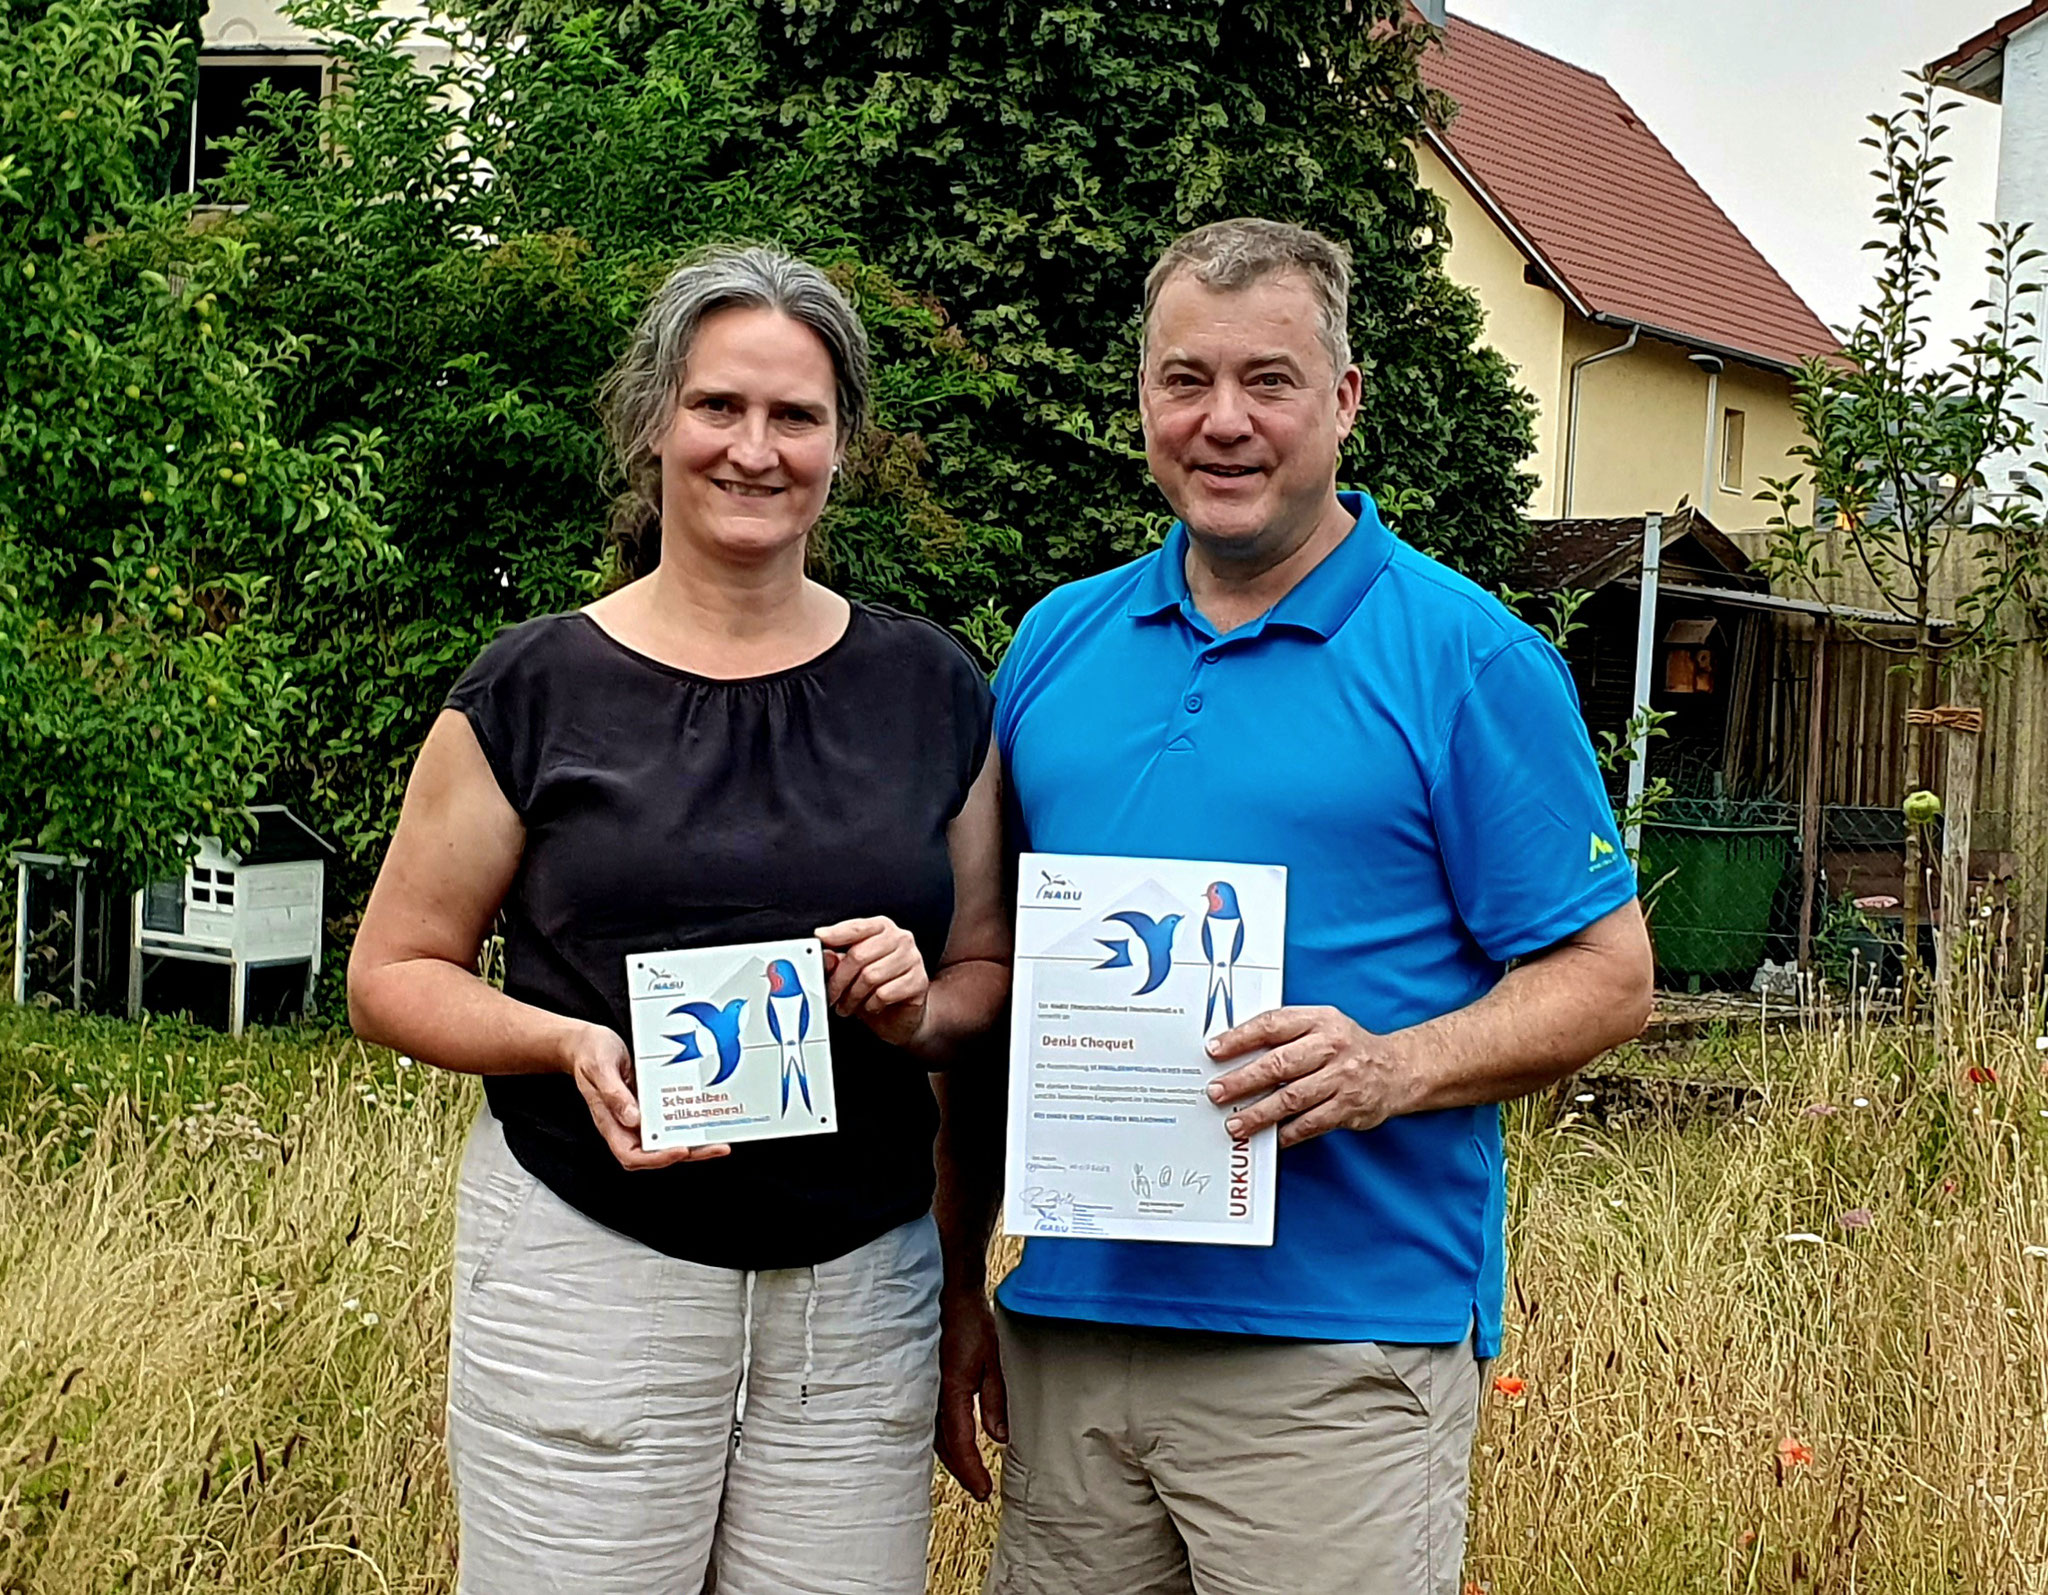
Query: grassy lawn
[1798, 1346]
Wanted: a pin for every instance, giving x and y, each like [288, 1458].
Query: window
[1731, 451]
[163, 907]
[221, 104]
[215, 888]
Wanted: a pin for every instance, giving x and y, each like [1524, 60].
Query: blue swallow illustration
[1157, 937]
[1222, 941]
[789, 1022]
[724, 1027]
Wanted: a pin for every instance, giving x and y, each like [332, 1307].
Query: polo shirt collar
[1318, 604]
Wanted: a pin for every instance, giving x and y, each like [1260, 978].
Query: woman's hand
[603, 1071]
[873, 969]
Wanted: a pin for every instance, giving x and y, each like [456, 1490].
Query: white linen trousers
[624, 1422]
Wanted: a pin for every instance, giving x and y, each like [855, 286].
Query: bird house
[250, 919]
[1689, 650]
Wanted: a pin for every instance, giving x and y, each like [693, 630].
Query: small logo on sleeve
[1603, 853]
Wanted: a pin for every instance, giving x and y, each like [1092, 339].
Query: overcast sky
[1763, 101]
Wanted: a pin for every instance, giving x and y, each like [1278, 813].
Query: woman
[721, 1361]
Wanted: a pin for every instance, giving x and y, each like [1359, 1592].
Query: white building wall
[2023, 197]
[260, 24]
[245, 24]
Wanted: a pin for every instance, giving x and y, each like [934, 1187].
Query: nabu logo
[1602, 853]
[1054, 887]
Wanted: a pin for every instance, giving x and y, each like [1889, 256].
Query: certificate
[729, 1043]
[1124, 968]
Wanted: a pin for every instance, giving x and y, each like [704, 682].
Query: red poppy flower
[1510, 1386]
[1794, 1453]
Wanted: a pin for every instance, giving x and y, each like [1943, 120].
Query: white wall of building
[2023, 197]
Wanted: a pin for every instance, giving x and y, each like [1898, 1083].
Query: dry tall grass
[221, 1333]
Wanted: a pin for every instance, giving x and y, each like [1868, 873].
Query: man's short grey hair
[1247, 249]
[638, 399]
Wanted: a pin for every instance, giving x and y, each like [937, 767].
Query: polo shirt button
[1208, 659]
[1194, 703]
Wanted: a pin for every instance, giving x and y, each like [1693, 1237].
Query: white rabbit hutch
[249, 920]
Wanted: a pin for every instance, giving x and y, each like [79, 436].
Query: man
[1286, 682]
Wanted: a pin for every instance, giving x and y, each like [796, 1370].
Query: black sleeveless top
[664, 809]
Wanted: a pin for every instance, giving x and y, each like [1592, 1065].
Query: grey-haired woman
[673, 1366]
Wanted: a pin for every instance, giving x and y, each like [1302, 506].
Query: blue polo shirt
[1414, 755]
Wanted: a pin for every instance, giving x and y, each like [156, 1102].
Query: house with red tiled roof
[1660, 346]
[1658, 342]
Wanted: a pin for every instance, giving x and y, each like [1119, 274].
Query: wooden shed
[1786, 714]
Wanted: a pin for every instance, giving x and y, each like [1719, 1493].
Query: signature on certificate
[1145, 1181]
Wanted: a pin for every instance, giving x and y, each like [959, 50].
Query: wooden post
[78, 939]
[1810, 794]
[1961, 727]
[1955, 829]
[135, 956]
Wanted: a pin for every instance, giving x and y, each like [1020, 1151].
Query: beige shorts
[1163, 1462]
[625, 1423]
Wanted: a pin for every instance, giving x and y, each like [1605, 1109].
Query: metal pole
[1713, 427]
[1711, 364]
[1646, 653]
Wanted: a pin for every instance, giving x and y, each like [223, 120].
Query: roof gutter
[1691, 340]
[1571, 425]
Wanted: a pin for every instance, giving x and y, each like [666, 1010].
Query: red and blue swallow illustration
[1222, 941]
[789, 1022]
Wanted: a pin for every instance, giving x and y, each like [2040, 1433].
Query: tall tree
[269, 477]
[1898, 441]
[152, 518]
[1026, 162]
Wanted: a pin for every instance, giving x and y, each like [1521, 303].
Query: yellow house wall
[1642, 430]
[1525, 323]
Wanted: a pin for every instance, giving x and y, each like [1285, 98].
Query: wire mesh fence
[1736, 890]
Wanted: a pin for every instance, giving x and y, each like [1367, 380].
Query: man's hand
[970, 1368]
[603, 1070]
[1324, 1073]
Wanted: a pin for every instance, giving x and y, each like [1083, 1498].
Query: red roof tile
[1605, 208]
[1973, 66]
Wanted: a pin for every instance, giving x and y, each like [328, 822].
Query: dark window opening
[221, 108]
[163, 907]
